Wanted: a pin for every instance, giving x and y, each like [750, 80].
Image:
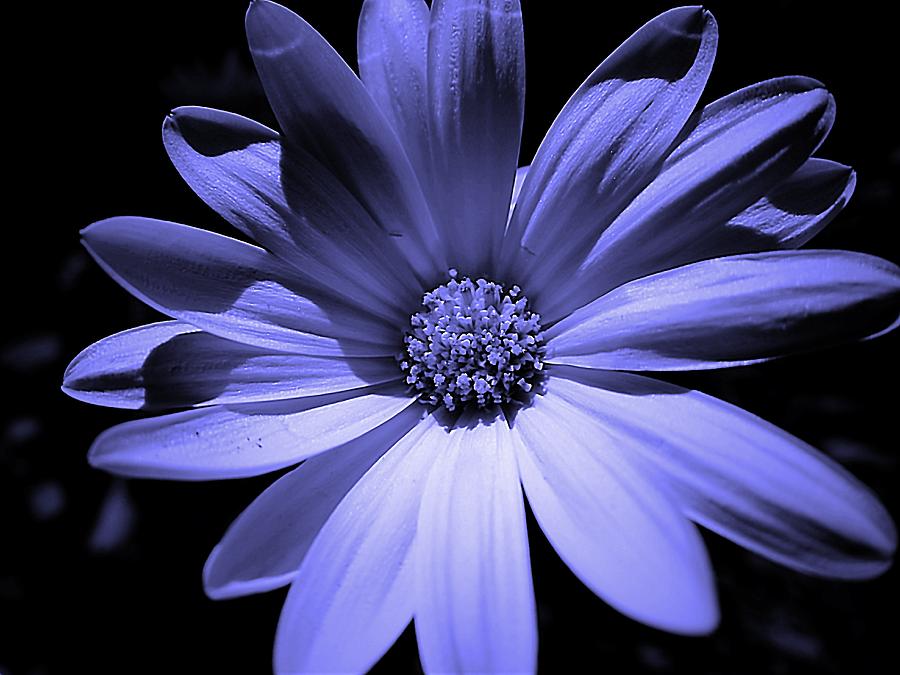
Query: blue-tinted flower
[424, 351]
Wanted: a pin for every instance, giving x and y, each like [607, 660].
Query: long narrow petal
[231, 289]
[610, 522]
[266, 544]
[235, 441]
[794, 211]
[744, 145]
[173, 364]
[291, 204]
[740, 476]
[475, 607]
[476, 87]
[354, 592]
[731, 311]
[323, 107]
[392, 42]
[610, 138]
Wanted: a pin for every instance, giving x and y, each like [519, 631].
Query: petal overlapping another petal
[744, 145]
[324, 109]
[354, 593]
[616, 528]
[739, 475]
[476, 91]
[291, 204]
[731, 311]
[232, 289]
[475, 609]
[174, 364]
[265, 546]
[240, 440]
[793, 212]
[608, 142]
[392, 42]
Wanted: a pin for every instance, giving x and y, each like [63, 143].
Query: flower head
[647, 235]
[474, 344]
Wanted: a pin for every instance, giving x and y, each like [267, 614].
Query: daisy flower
[434, 335]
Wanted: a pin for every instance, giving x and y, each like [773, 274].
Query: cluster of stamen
[472, 344]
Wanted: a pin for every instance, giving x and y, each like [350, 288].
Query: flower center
[472, 344]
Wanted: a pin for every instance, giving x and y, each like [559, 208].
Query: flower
[424, 351]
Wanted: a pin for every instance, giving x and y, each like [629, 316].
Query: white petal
[353, 594]
[476, 88]
[608, 142]
[265, 545]
[173, 364]
[392, 42]
[291, 204]
[740, 476]
[323, 108]
[744, 145]
[233, 441]
[615, 527]
[231, 289]
[474, 598]
[794, 211]
[731, 311]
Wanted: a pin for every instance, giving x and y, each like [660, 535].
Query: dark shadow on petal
[667, 52]
[194, 369]
[613, 380]
[205, 134]
[811, 190]
[189, 370]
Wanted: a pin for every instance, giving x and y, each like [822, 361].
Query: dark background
[99, 575]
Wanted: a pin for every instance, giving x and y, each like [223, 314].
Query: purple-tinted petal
[173, 364]
[476, 86]
[354, 593]
[611, 522]
[392, 42]
[474, 598]
[291, 204]
[231, 289]
[740, 476]
[795, 210]
[235, 441]
[610, 139]
[731, 311]
[521, 173]
[744, 145]
[265, 545]
[323, 108]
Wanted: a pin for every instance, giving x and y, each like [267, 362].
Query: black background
[90, 84]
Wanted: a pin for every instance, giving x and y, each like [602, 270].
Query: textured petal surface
[740, 476]
[731, 311]
[234, 441]
[475, 609]
[795, 210]
[521, 172]
[266, 544]
[616, 529]
[609, 140]
[323, 107]
[231, 289]
[290, 203]
[742, 146]
[392, 43]
[476, 86]
[173, 364]
[353, 594]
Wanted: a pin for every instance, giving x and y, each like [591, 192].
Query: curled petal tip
[264, 10]
[689, 21]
